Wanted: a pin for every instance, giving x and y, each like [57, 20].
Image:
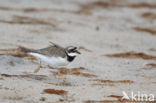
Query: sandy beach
[116, 38]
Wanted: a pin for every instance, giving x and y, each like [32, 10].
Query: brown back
[52, 50]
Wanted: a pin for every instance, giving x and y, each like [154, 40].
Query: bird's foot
[38, 68]
[61, 77]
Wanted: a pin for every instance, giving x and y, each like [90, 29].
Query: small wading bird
[53, 55]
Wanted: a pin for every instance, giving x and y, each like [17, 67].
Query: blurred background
[117, 39]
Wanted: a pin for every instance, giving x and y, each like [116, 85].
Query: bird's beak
[77, 52]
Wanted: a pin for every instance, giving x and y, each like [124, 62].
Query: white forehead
[71, 47]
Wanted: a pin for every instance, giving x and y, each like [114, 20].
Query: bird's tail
[25, 50]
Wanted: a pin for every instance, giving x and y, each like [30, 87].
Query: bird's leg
[38, 68]
[61, 77]
[59, 74]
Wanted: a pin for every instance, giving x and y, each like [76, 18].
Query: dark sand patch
[88, 7]
[115, 96]
[148, 30]
[111, 81]
[20, 55]
[1, 79]
[132, 55]
[54, 91]
[27, 20]
[84, 49]
[27, 10]
[151, 65]
[16, 52]
[36, 10]
[32, 76]
[149, 15]
[32, 10]
[74, 71]
[143, 5]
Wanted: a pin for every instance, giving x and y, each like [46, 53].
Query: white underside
[52, 61]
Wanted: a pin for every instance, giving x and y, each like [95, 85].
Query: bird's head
[72, 51]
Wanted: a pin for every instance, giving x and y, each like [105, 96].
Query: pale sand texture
[98, 29]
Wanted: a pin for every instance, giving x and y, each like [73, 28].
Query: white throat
[72, 54]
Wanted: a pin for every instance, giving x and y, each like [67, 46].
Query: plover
[54, 55]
